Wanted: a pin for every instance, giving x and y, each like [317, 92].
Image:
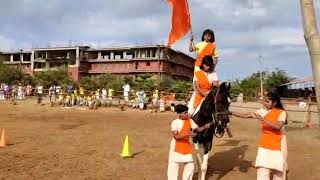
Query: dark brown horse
[215, 110]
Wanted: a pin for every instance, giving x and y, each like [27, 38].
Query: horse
[214, 109]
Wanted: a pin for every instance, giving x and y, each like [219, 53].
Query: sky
[244, 29]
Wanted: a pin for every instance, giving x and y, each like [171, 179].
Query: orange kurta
[271, 138]
[272, 151]
[203, 83]
[183, 146]
[207, 51]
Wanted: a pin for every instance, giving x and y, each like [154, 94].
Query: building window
[148, 53]
[148, 63]
[153, 53]
[136, 65]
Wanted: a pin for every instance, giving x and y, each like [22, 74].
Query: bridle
[216, 112]
[219, 129]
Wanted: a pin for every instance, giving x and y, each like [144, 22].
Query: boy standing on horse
[206, 48]
[180, 147]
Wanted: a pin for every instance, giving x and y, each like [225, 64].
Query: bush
[145, 81]
[10, 75]
[58, 77]
[250, 86]
[101, 81]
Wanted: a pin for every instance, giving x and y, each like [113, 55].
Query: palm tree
[312, 38]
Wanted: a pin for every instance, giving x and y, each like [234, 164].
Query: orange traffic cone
[4, 140]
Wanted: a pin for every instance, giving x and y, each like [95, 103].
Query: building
[85, 61]
[297, 88]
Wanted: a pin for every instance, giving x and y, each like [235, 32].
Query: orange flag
[180, 20]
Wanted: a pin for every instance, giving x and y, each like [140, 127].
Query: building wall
[147, 66]
[103, 67]
[74, 73]
[176, 69]
[182, 59]
[126, 61]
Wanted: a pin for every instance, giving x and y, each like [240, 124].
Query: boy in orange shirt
[180, 147]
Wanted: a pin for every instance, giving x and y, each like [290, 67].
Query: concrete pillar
[111, 55]
[47, 65]
[11, 57]
[99, 56]
[161, 53]
[135, 54]
[124, 55]
[46, 55]
[21, 57]
[32, 61]
[68, 55]
[77, 57]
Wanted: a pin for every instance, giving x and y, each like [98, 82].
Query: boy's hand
[257, 116]
[207, 126]
[191, 38]
[192, 134]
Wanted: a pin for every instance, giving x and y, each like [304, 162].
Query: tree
[59, 77]
[250, 86]
[312, 38]
[10, 75]
[145, 81]
[87, 83]
[101, 81]
[166, 83]
[276, 78]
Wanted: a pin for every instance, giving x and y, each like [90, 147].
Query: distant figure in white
[126, 90]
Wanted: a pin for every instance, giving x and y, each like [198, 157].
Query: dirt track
[57, 143]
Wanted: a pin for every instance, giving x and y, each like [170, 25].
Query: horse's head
[221, 99]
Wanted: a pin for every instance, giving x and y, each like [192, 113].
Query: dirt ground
[57, 143]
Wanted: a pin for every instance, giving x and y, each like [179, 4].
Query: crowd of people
[78, 96]
[14, 92]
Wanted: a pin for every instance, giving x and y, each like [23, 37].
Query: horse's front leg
[204, 166]
[197, 148]
[198, 161]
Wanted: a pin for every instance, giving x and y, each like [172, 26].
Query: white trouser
[126, 98]
[268, 174]
[141, 105]
[173, 171]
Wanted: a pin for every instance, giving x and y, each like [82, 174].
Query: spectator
[126, 90]
[141, 98]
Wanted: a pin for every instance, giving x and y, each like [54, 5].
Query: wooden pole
[312, 38]
[159, 54]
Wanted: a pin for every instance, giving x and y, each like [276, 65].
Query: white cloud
[283, 36]
[244, 28]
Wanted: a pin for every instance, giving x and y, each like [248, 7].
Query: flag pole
[191, 32]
